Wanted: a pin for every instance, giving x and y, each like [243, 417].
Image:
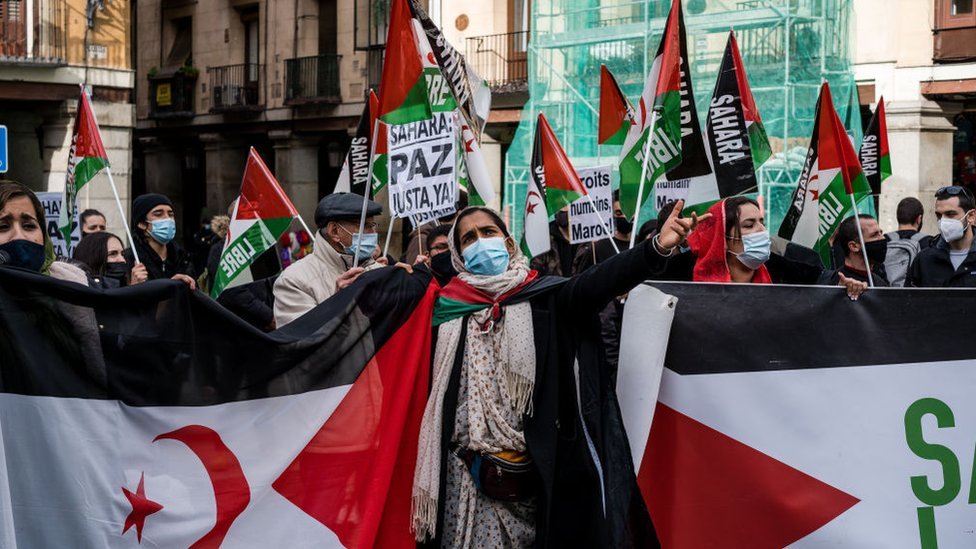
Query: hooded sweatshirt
[710, 246]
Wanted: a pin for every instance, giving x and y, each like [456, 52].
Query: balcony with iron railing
[236, 88]
[313, 79]
[172, 96]
[33, 33]
[501, 60]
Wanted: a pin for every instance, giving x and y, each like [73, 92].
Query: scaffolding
[788, 46]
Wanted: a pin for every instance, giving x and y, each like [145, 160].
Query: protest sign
[585, 223]
[422, 168]
[52, 210]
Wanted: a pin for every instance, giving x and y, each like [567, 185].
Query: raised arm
[591, 290]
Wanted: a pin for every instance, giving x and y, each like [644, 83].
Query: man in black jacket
[951, 260]
[849, 240]
[153, 229]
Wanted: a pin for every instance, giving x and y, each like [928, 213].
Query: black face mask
[441, 264]
[877, 251]
[117, 270]
[623, 225]
[24, 254]
[562, 219]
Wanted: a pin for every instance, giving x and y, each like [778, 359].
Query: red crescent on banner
[231, 490]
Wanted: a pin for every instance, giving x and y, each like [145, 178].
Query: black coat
[933, 269]
[832, 278]
[566, 329]
[796, 266]
[177, 260]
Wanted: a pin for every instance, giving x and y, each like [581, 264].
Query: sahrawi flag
[553, 185]
[403, 85]
[831, 179]
[616, 112]
[262, 214]
[854, 434]
[354, 177]
[471, 99]
[86, 158]
[874, 155]
[162, 420]
[678, 165]
[729, 132]
[758, 141]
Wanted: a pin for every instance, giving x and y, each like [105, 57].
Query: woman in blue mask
[154, 231]
[504, 459]
[733, 245]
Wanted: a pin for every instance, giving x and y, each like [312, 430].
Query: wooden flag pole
[118, 202]
[640, 188]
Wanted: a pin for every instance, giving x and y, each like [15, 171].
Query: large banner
[795, 417]
[152, 417]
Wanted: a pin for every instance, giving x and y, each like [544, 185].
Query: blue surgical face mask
[755, 250]
[24, 254]
[367, 242]
[162, 230]
[487, 257]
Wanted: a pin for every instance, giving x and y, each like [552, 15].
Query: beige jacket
[311, 280]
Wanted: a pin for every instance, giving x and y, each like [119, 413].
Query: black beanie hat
[143, 204]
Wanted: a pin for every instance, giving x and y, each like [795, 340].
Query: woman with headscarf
[24, 241]
[504, 458]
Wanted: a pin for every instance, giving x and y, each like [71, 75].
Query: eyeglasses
[952, 190]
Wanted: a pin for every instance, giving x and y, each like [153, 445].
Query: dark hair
[908, 210]
[616, 196]
[646, 230]
[732, 206]
[470, 210]
[847, 232]
[665, 213]
[965, 197]
[93, 251]
[10, 190]
[439, 230]
[83, 216]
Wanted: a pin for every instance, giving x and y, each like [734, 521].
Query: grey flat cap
[343, 207]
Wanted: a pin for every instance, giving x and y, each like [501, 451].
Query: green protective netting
[788, 46]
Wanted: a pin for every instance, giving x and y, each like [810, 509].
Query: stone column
[297, 170]
[920, 144]
[163, 173]
[225, 166]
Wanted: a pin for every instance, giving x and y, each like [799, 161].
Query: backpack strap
[917, 237]
[893, 236]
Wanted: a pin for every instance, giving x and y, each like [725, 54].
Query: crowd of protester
[501, 359]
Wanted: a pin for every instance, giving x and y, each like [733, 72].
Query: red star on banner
[142, 507]
[467, 145]
[815, 193]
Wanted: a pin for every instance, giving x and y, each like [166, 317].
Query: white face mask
[952, 229]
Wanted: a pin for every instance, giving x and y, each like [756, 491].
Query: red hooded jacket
[709, 244]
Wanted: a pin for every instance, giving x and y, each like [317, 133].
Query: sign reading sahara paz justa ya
[52, 210]
[423, 181]
[585, 224]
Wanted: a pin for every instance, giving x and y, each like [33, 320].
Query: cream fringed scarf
[513, 345]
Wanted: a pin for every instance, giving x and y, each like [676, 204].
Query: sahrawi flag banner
[354, 177]
[727, 129]
[852, 434]
[553, 185]
[616, 112]
[86, 158]
[158, 419]
[874, 155]
[758, 141]
[831, 179]
[660, 106]
[262, 214]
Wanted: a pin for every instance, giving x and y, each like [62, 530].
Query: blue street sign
[3, 149]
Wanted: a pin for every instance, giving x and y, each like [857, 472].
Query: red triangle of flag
[559, 172]
[749, 109]
[261, 196]
[88, 142]
[670, 78]
[355, 475]
[402, 66]
[835, 148]
[706, 489]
